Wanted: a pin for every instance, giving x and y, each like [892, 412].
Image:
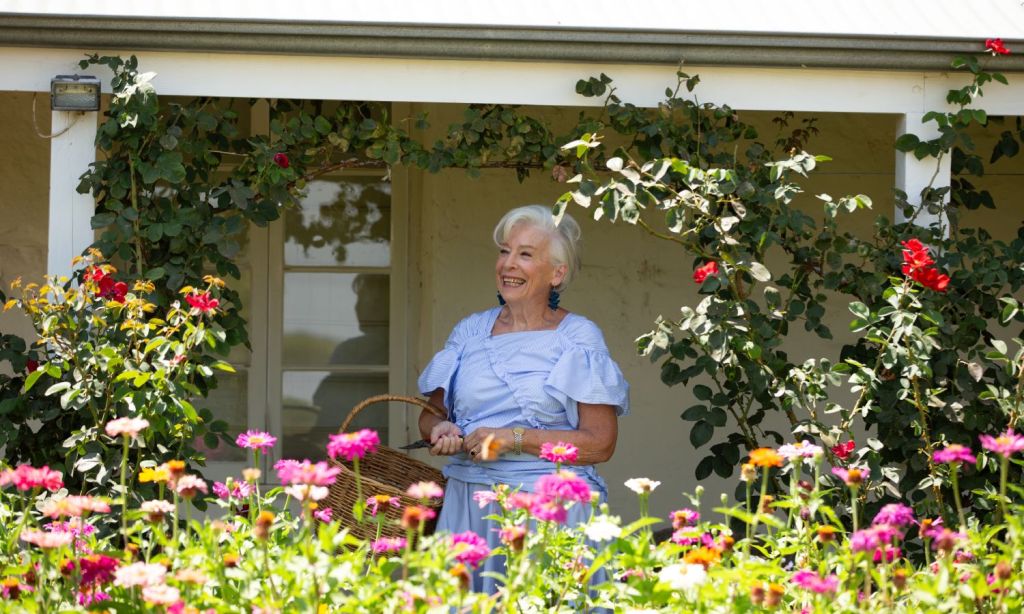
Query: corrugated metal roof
[962, 19]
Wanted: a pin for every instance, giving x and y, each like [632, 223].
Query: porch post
[913, 175]
[71, 153]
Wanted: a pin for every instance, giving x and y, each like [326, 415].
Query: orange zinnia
[702, 556]
[765, 457]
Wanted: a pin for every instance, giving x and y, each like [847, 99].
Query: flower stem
[124, 493]
[956, 496]
[1004, 469]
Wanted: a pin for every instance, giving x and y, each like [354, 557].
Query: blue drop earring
[553, 299]
[501, 299]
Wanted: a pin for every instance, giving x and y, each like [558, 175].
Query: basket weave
[385, 472]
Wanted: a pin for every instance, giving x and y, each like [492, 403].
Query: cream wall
[24, 197]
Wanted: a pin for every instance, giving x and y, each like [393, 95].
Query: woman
[527, 372]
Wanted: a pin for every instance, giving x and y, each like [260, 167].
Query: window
[316, 287]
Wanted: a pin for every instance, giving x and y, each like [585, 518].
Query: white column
[70, 212]
[913, 175]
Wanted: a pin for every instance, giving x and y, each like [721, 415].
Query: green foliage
[925, 371]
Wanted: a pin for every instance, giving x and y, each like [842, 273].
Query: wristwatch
[517, 440]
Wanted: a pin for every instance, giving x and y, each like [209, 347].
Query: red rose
[702, 272]
[996, 46]
[844, 449]
[202, 301]
[31, 365]
[917, 265]
[281, 160]
[112, 290]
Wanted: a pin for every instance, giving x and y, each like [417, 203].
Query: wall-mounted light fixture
[75, 93]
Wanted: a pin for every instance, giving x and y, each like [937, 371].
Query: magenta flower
[800, 450]
[886, 553]
[559, 452]
[388, 544]
[425, 491]
[255, 440]
[852, 476]
[520, 501]
[684, 518]
[548, 510]
[564, 486]
[188, 486]
[305, 472]
[1007, 444]
[236, 490]
[895, 514]
[351, 446]
[816, 584]
[887, 533]
[97, 568]
[954, 453]
[946, 539]
[865, 540]
[469, 548]
[323, 515]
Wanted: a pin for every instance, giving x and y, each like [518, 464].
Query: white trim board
[547, 83]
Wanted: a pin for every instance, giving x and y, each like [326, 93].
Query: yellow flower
[16, 283]
[143, 285]
[703, 556]
[155, 474]
[10, 303]
[765, 457]
[214, 281]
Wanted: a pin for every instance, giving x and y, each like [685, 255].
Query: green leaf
[702, 392]
[701, 433]
[760, 272]
[58, 387]
[697, 412]
[102, 220]
[907, 142]
[704, 467]
[718, 417]
[860, 310]
[31, 380]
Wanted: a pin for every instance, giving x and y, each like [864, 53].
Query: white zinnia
[140, 574]
[642, 485]
[603, 528]
[683, 576]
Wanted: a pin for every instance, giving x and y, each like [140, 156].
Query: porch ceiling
[473, 41]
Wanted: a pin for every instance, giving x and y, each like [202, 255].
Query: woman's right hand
[446, 439]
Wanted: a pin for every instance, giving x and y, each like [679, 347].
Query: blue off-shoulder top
[532, 379]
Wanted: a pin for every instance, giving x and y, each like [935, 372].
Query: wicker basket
[386, 472]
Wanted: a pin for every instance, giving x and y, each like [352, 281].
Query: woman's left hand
[487, 444]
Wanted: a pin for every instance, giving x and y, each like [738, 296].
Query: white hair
[565, 236]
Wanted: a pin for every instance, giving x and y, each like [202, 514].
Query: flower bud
[774, 595]
[1003, 570]
[757, 594]
[748, 472]
[251, 474]
[262, 527]
[899, 579]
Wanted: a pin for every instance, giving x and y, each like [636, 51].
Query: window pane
[335, 319]
[229, 402]
[344, 221]
[314, 404]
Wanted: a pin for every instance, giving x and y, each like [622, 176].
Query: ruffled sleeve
[586, 373]
[441, 370]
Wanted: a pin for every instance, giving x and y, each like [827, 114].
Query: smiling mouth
[514, 282]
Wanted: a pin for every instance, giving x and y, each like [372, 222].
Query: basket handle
[381, 398]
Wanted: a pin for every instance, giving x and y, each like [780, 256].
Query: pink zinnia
[886, 553]
[548, 510]
[74, 506]
[255, 440]
[895, 514]
[161, 594]
[684, 518]
[425, 491]
[520, 501]
[865, 540]
[954, 453]
[302, 492]
[27, 477]
[815, 583]
[188, 486]
[469, 548]
[388, 544]
[237, 490]
[563, 486]
[375, 502]
[1007, 444]
[799, 450]
[324, 515]
[129, 427]
[351, 446]
[852, 476]
[559, 452]
[47, 540]
[305, 472]
[484, 498]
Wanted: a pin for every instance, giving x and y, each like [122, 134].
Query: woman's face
[524, 270]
